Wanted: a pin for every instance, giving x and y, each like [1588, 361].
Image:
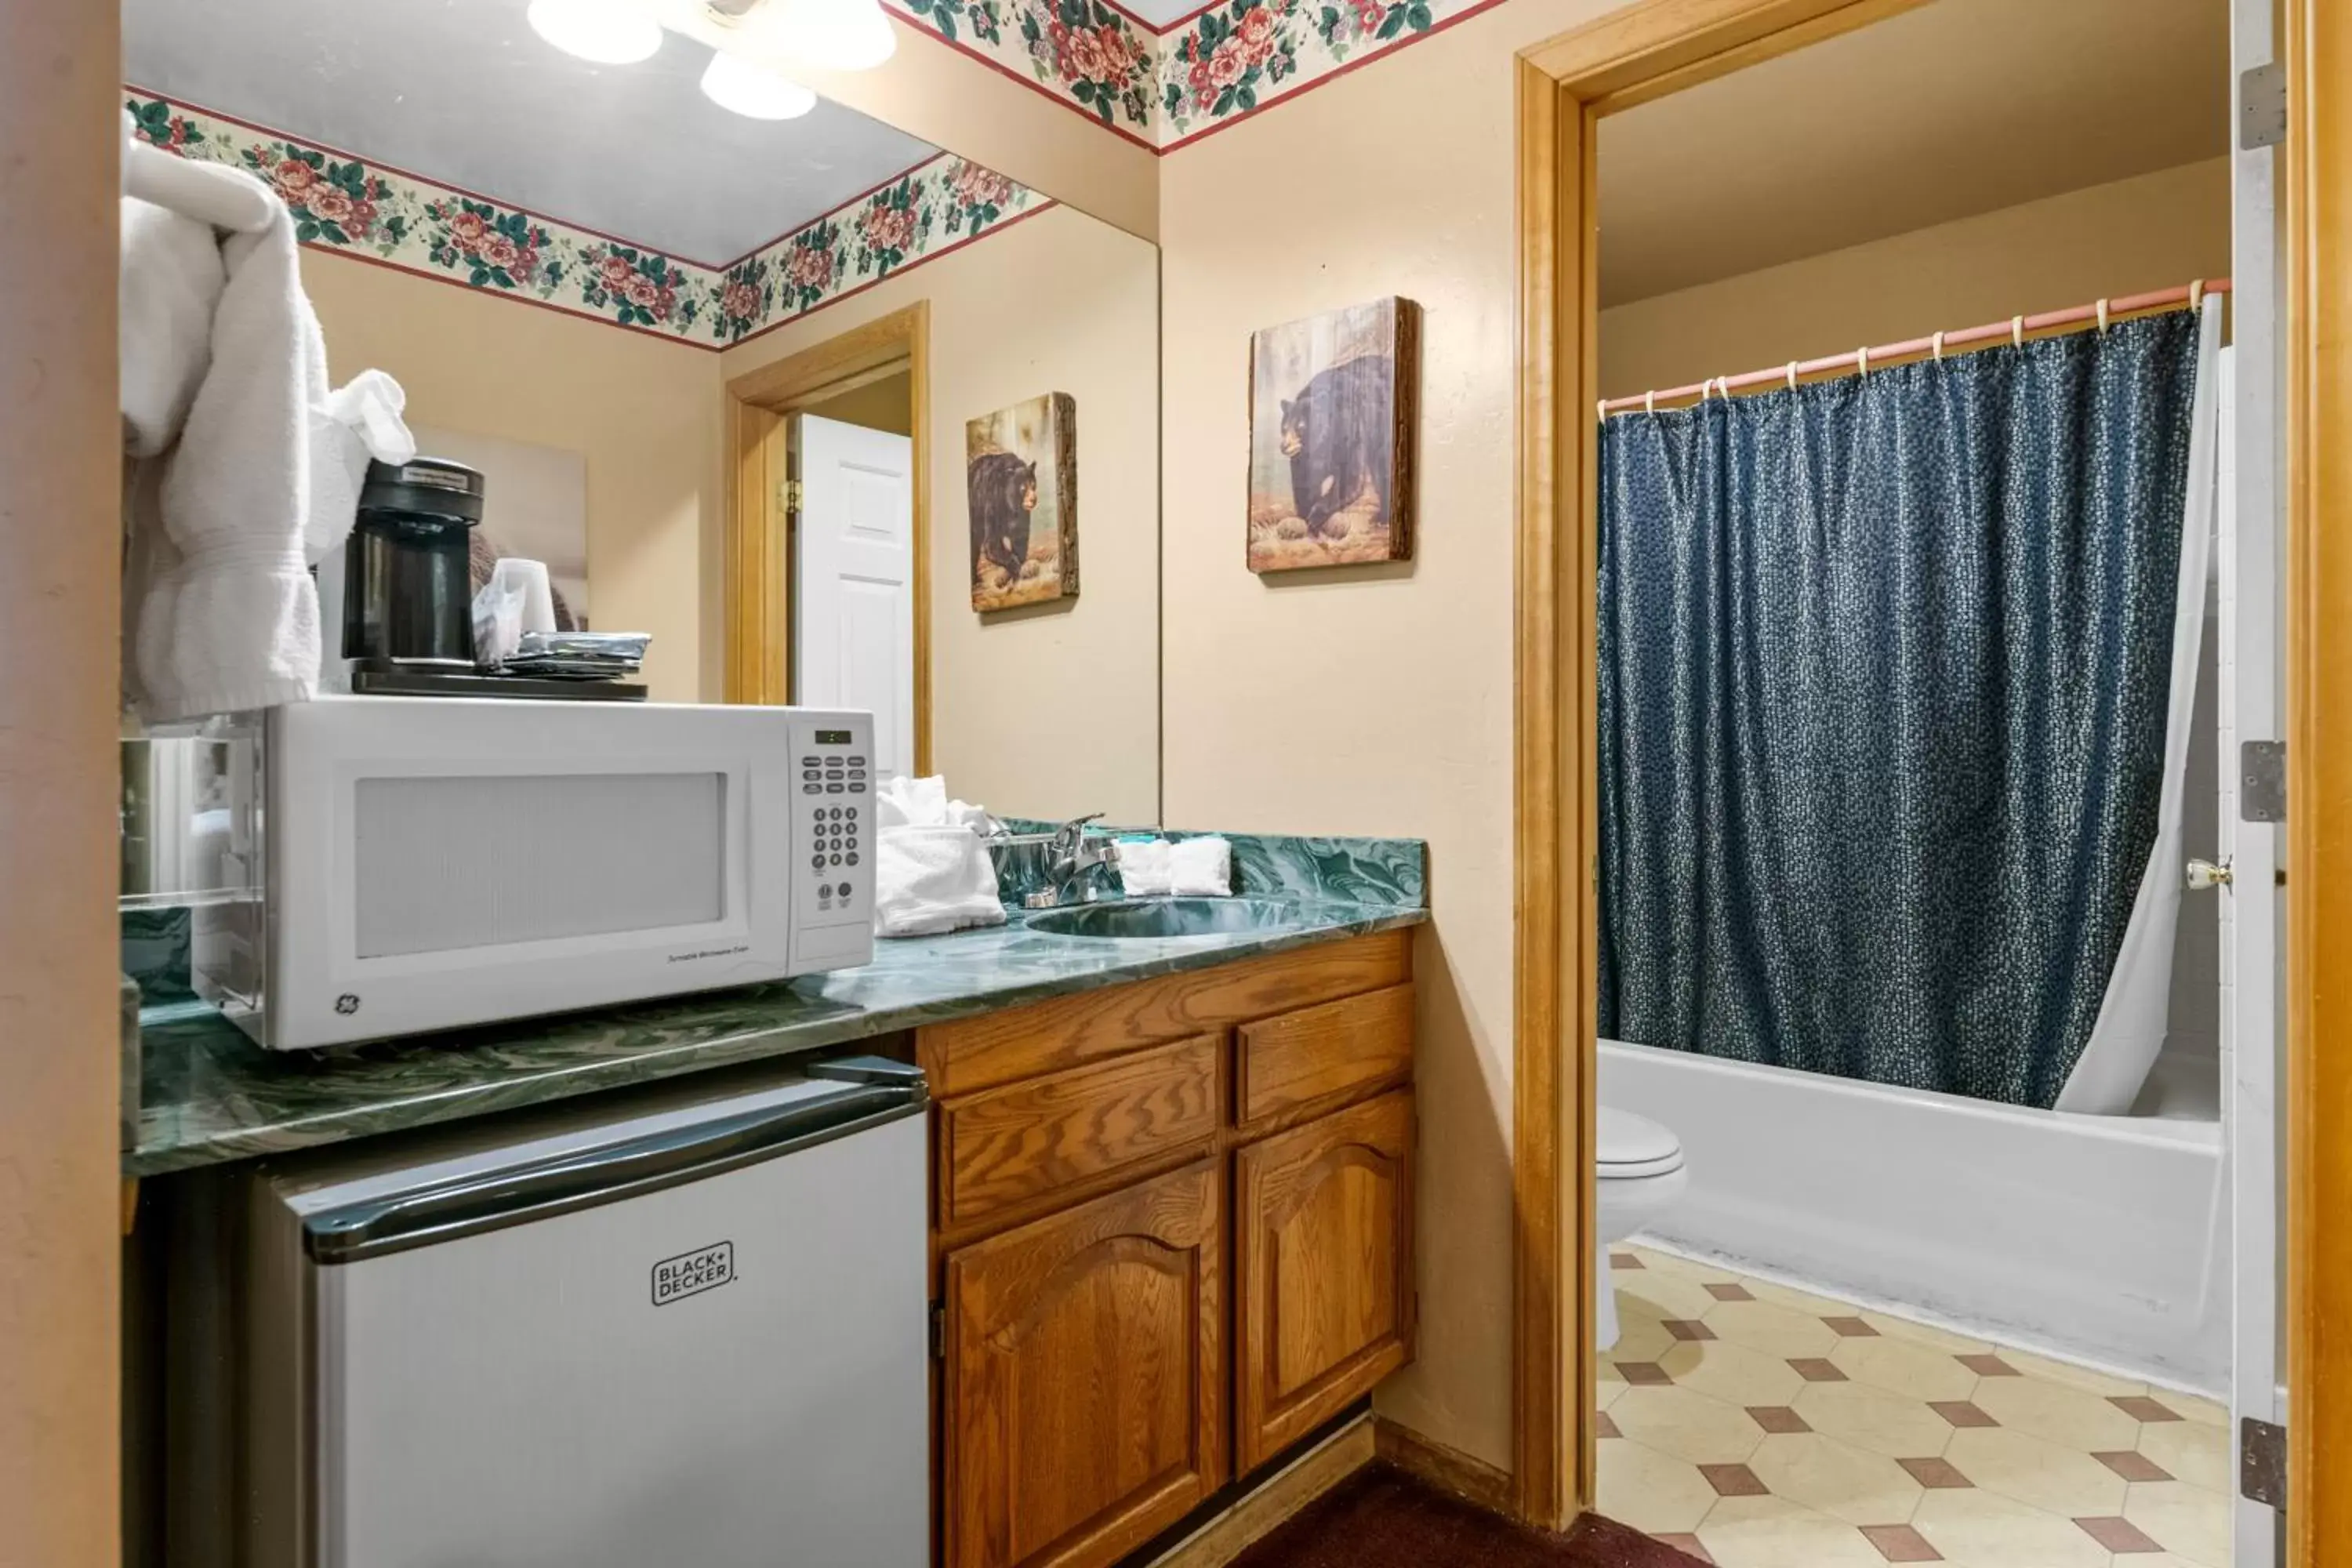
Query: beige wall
[1373, 701]
[60, 1073]
[2154, 231]
[1051, 711]
[646, 413]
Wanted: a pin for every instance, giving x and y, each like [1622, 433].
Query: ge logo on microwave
[347, 1004]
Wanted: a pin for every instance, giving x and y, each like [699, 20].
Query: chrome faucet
[1074, 869]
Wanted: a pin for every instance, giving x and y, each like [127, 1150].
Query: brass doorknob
[2204, 874]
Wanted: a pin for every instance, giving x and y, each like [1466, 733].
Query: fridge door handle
[473, 1204]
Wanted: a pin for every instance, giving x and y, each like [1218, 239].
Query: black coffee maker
[408, 593]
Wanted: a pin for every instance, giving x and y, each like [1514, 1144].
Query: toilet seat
[1629, 1147]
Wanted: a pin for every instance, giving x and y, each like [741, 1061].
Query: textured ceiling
[463, 92]
[1960, 107]
[1161, 13]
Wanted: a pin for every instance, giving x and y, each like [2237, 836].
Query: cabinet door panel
[1085, 1377]
[1323, 1247]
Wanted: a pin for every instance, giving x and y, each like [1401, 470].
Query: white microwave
[397, 865]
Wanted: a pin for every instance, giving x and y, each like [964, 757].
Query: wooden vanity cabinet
[1172, 1229]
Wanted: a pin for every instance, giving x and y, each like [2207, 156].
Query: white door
[854, 576]
[2249, 709]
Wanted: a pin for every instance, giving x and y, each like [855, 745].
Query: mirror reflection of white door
[2250, 708]
[854, 580]
[2251, 906]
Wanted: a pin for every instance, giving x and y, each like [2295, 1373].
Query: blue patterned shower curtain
[1883, 669]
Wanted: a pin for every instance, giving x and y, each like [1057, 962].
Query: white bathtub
[2102, 1238]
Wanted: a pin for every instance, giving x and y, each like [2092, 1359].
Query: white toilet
[1639, 1165]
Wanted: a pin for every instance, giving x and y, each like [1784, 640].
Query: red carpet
[1382, 1518]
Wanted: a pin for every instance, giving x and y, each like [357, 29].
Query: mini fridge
[687, 1329]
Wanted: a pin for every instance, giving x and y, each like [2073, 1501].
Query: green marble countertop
[209, 1095]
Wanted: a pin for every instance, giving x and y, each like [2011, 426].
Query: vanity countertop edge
[209, 1096]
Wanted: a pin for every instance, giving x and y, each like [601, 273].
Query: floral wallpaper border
[1162, 88]
[346, 203]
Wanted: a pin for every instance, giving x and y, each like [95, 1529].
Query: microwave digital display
[832, 737]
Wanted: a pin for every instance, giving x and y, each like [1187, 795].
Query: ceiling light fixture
[609, 32]
[733, 82]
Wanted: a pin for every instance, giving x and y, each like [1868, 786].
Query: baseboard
[1282, 1494]
[1448, 1469]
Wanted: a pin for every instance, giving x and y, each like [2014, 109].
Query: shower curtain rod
[1860, 360]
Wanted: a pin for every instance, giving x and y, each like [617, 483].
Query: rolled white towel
[932, 880]
[1187, 867]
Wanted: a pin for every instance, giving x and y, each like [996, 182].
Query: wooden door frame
[1566, 84]
[757, 559]
[1643, 51]
[2316, 317]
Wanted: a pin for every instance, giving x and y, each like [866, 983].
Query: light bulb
[733, 82]
[610, 32]
[831, 34]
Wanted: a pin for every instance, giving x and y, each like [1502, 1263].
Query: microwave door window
[446, 865]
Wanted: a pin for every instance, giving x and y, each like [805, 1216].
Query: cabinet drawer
[1015, 1043]
[1004, 1147]
[1324, 1054]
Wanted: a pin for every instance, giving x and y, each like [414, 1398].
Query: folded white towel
[220, 610]
[932, 880]
[1189, 867]
[172, 278]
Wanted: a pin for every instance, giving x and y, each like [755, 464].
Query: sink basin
[1162, 918]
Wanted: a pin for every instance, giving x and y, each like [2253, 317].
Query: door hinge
[938, 1331]
[2262, 1462]
[2261, 781]
[788, 496]
[2262, 107]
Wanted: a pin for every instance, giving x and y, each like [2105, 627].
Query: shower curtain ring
[1792, 375]
[1938, 342]
[1650, 401]
[1862, 359]
[2196, 292]
[2017, 330]
[2102, 315]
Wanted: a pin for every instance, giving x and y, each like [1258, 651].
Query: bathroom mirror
[738, 379]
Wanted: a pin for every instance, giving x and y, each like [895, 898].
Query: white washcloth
[356, 422]
[932, 880]
[902, 802]
[220, 611]
[1189, 867]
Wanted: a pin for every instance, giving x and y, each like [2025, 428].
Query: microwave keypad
[833, 775]
[836, 841]
[837, 838]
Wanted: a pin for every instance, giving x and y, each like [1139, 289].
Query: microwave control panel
[832, 783]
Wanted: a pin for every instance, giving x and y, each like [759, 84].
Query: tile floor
[1758, 1427]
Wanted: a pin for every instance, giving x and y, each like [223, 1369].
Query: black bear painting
[1332, 402]
[1022, 476]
